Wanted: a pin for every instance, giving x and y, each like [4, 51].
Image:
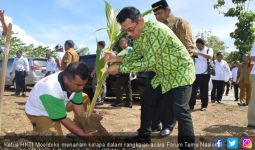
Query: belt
[20, 70]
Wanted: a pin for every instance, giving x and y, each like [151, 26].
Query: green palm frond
[114, 34]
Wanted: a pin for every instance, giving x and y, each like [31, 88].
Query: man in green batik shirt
[156, 48]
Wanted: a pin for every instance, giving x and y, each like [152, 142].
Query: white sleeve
[210, 52]
[228, 70]
[26, 65]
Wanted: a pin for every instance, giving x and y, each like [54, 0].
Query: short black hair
[69, 43]
[219, 53]
[76, 68]
[19, 52]
[201, 41]
[102, 43]
[128, 13]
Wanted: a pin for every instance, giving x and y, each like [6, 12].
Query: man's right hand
[111, 57]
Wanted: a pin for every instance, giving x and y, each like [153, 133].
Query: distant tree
[83, 51]
[212, 41]
[29, 50]
[233, 56]
[244, 33]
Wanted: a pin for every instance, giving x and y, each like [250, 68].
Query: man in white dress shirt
[20, 67]
[251, 106]
[234, 71]
[51, 66]
[221, 71]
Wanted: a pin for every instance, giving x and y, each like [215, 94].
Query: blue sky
[51, 22]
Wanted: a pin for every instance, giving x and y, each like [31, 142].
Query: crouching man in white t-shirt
[251, 107]
[46, 107]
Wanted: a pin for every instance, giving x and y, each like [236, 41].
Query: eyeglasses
[130, 29]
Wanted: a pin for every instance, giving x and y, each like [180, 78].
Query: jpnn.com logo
[232, 143]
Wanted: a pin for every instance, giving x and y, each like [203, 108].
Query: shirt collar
[62, 84]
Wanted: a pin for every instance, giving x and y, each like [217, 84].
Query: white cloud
[22, 35]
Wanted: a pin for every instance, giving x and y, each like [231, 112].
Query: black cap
[160, 5]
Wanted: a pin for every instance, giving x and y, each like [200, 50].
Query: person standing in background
[182, 30]
[70, 54]
[234, 72]
[21, 68]
[218, 80]
[202, 56]
[123, 79]
[179, 26]
[51, 66]
[228, 78]
[100, 99]
[244, 81]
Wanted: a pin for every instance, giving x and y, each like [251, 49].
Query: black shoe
[156, 130]
[212, 101]
[128, 104]
[24, 95]
[15, 94]
[219, 101]
[138, 139]
[236, 100]
[117, 104]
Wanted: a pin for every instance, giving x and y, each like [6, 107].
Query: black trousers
[236, 89]
[124, 84]
[227, 86]
[201, 81]
[20, 82]
[217, 90]
[175, 104]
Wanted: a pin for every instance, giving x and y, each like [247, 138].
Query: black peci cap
[160, 5]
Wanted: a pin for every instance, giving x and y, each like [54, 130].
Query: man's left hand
[113, 69]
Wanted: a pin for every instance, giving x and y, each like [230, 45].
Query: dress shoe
[165, 132]
[117, 104]
[128, 104]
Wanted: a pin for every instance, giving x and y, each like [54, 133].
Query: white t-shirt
[201, 65]
[51, 88]
[221, 70]
[253, 62]
[234, 74]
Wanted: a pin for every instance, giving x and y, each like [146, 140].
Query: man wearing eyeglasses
[156, 48]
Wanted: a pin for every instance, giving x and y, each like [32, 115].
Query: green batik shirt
[159, 50]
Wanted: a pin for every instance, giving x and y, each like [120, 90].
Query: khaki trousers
[251, 107]
[245, 93]
[44, 124]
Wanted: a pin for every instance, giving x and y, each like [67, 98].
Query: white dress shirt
[221, 71]
[234, 72]
[20, 64]
[51, 65]
[201, 65]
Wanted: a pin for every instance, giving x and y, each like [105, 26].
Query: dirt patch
[218, 120]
